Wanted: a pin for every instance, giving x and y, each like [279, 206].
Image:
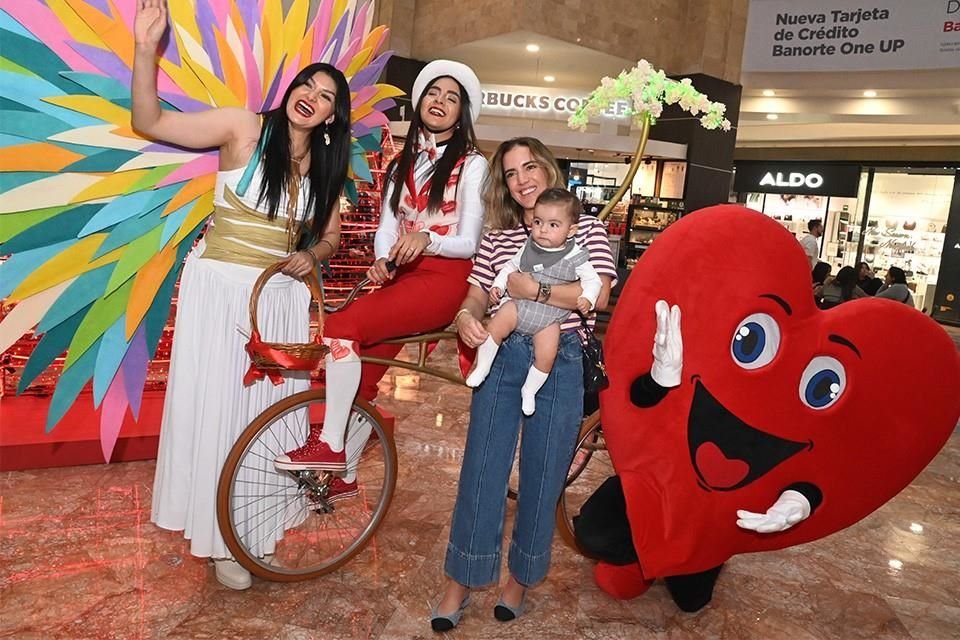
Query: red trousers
[423, 296]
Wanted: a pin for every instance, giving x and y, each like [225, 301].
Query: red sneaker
[314, 454]
[338, 489]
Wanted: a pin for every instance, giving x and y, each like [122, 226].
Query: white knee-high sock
[358, 432]
[343, 381]
[486, 353]
[528, 392]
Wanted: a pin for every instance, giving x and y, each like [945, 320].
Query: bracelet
[333, 249]
[460, 313]
[313, 257]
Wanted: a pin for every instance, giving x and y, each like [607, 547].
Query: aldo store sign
[801, 178]
[793, 180]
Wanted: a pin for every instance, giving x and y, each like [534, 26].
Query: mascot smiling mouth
[726, 452]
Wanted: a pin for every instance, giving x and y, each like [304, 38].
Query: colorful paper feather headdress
[96, 220]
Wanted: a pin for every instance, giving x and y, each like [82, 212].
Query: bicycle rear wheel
[590, 467]
[290, 525]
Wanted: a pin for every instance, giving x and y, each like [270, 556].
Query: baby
[551, 256]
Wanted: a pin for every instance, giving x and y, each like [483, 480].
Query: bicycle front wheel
[296, 525]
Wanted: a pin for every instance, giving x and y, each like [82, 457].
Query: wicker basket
[280, 356]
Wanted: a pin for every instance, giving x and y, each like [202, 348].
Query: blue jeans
[549, 439]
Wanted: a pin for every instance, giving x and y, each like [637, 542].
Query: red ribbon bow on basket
[284, 360]
[270, 359]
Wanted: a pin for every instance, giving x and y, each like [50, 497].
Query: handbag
[594, 370]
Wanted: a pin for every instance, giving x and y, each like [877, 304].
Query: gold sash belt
[237, 226]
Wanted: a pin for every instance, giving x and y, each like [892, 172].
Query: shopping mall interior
[839, 112]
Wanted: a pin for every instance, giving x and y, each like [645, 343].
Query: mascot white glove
[789, 509]
[667, 346]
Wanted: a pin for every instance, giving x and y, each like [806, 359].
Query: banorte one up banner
[852, 35]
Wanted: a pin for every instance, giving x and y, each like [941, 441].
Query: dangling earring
[326, 131]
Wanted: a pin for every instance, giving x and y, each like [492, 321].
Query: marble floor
[79, 558]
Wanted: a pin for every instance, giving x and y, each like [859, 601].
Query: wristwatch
[543, 294]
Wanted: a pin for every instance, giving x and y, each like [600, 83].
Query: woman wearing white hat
[430, 223]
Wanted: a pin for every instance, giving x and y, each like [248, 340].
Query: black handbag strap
[584, 325]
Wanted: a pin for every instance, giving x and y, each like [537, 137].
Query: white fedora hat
[456, 70]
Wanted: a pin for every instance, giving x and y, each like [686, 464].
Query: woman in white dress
[277, 195]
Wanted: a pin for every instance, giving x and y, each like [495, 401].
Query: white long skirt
[206, 406]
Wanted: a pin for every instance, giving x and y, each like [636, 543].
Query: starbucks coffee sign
[542, 103]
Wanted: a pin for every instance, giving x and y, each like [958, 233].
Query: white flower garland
[648, 89]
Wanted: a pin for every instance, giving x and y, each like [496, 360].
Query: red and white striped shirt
[497, 247]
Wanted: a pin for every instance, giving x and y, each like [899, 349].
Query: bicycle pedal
[322, 507]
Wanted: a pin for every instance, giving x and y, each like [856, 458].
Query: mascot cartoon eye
[756, 341]
[822, 382]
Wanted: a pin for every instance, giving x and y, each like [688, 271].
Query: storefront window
[794, 210]
[906, 225]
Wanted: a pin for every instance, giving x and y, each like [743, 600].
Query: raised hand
[667, 346]
[789, 509]
[150, 22]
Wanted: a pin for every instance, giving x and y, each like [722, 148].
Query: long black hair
[847, 280]
[820, 272]
[328, 162]
[463, 141]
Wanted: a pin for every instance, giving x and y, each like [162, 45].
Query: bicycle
[288, 526]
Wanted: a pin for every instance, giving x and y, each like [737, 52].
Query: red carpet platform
[76, 440]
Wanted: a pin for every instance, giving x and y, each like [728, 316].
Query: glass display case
[841, 233]
[646, 219]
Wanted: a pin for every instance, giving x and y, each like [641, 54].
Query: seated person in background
[552, 256]
[821, 271]
[839, 289]
[895, 287]
[867, 281]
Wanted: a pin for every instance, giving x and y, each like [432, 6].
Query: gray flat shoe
[505, 613]
[446, 622]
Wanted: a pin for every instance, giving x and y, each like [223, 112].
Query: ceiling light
[548, 78]
[769, 93]
[869, 93]
[590, 151]
[533, 48]
[772, 116]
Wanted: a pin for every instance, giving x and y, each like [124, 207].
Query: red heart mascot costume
[741, 418]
